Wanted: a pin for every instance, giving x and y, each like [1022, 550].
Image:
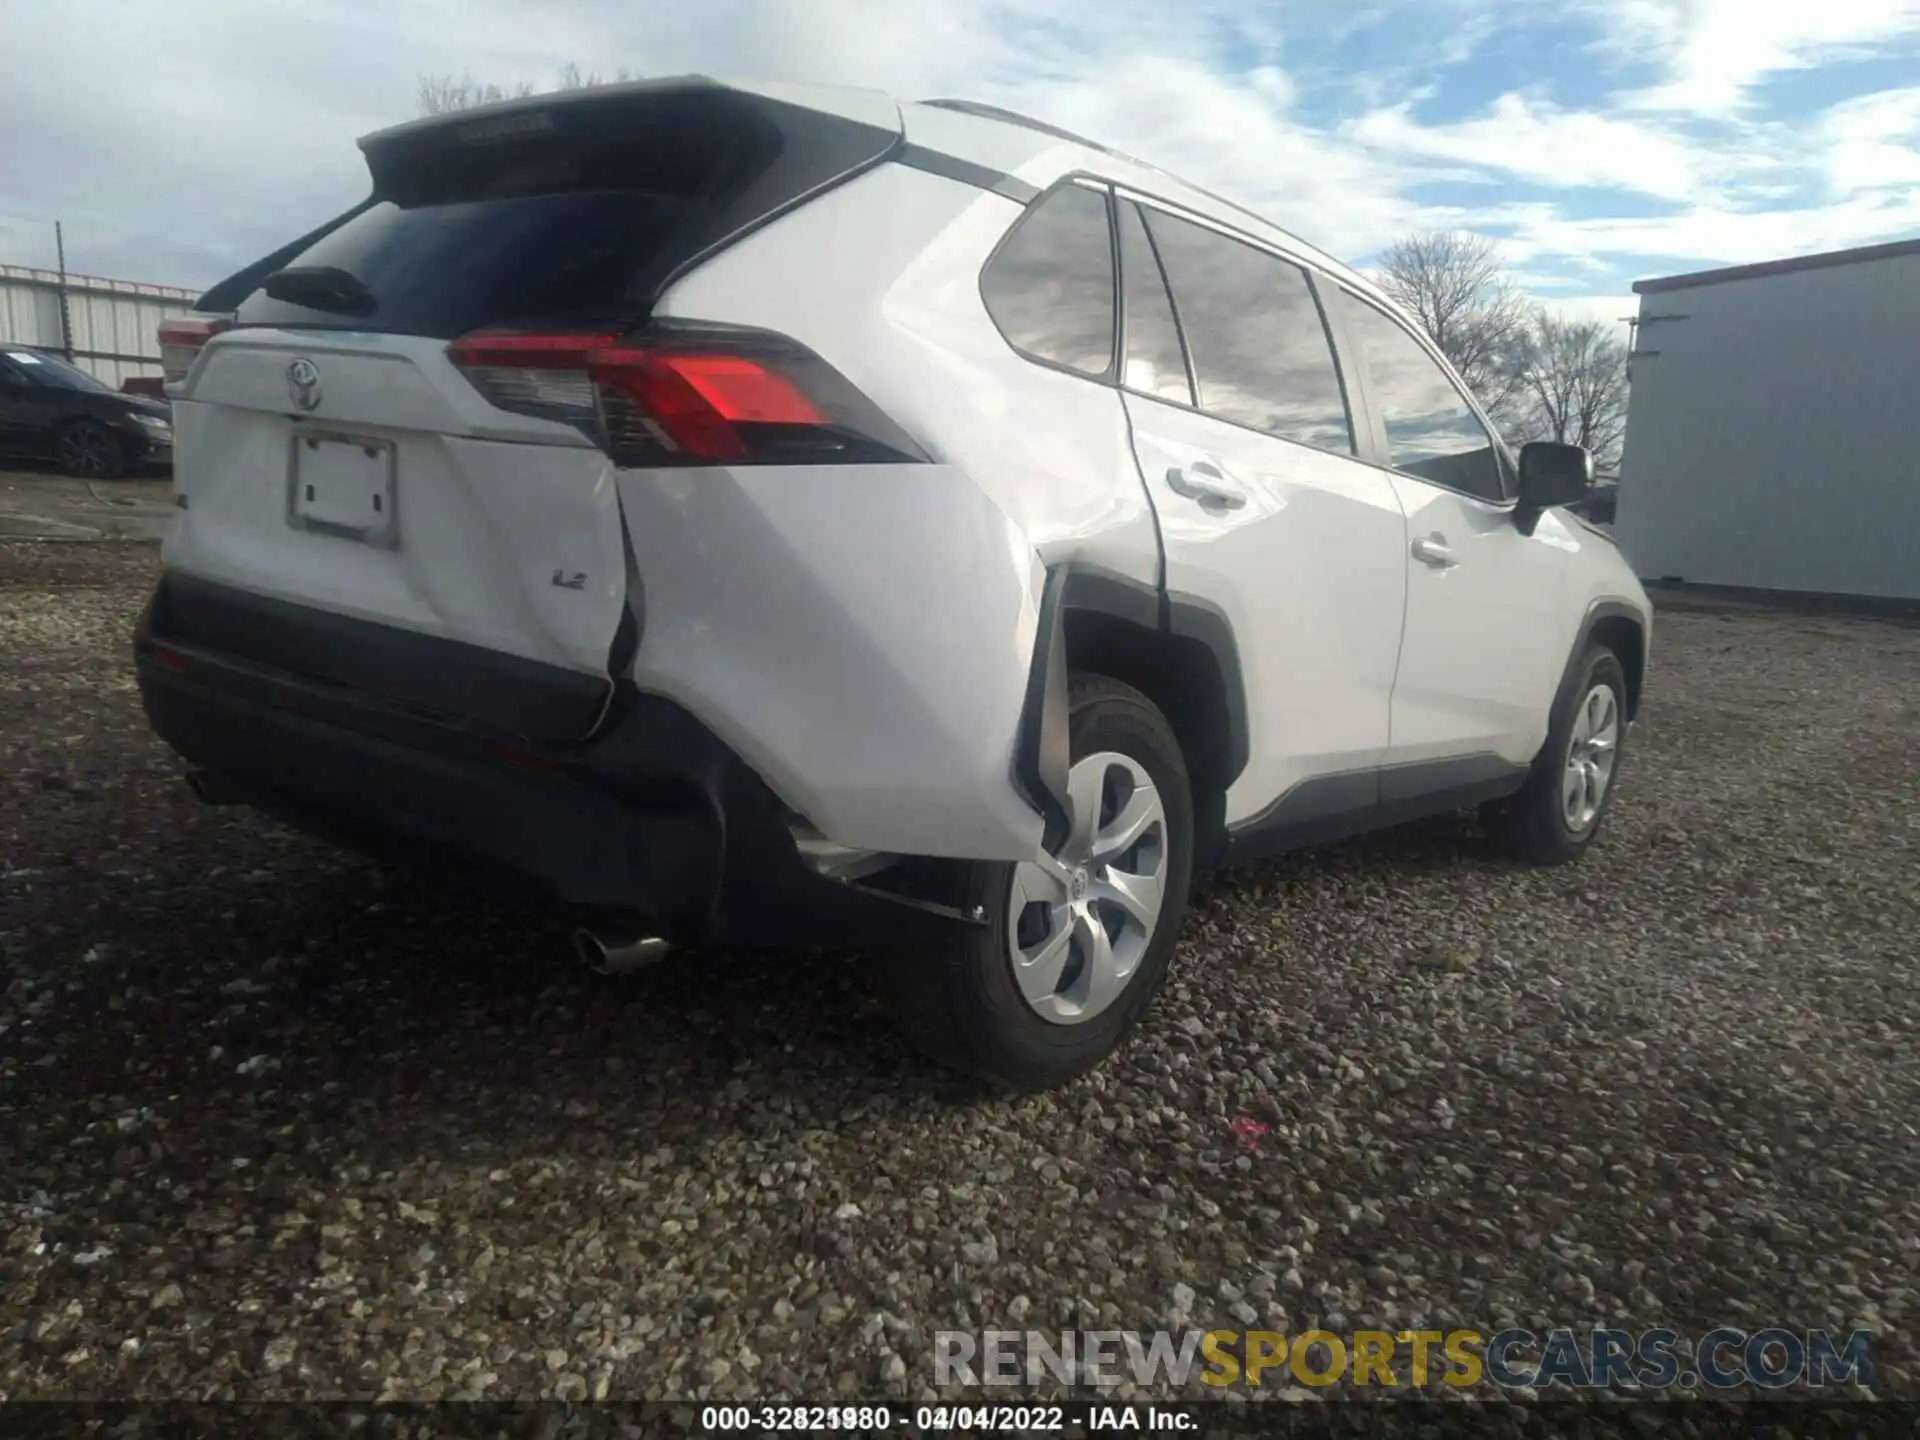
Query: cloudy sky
[1599, 140]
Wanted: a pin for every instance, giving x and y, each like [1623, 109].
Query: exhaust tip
[606, 955]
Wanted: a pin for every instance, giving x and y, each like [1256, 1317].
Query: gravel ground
[275, 1123]
[55, 507]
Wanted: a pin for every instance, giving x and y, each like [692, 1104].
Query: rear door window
[576, 211]
[1049, 287]
[1432, 432]
[1155, 362]
[1261, 355]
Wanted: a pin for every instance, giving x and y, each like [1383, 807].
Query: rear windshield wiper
[321, 287]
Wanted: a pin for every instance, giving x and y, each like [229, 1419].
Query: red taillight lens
[686, 396]
[181, 341]
[735, 388]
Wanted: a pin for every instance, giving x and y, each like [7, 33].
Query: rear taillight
[181, 341]
[685, 396]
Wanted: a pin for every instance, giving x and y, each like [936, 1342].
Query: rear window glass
[446, 269]
[582, 208]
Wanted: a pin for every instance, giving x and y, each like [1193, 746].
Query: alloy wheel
[87, 449]
[1592, 750]
[1079, 922]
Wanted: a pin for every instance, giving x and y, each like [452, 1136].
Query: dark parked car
[51, 410]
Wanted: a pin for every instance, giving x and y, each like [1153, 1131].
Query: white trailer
[1773, 434]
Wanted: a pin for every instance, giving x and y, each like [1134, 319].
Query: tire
[964, 1005]
[88, 450]
[1541, 825]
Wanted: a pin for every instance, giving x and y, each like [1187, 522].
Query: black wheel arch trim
[1615, 610]
[1041, 754]
[1192, 618]
[1041, 757]
[1088, 587]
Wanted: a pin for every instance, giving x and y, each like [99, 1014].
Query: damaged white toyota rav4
[757, 515]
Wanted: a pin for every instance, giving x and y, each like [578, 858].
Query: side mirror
[1553, 474]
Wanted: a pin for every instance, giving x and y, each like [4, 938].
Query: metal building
[1771, 434]
[114, 323]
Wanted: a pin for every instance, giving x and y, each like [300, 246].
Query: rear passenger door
[1247, 445]
[1484, 643]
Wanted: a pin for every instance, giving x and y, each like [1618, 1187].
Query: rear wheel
[89, 450]
[1555, 816]
[1077, 943]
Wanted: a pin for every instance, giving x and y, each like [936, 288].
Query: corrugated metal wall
[115, 322]
[1770, 438]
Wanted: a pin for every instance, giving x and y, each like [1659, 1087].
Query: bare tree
[440, 94]
[1574, 374]
[1452, 284]
[573, 78]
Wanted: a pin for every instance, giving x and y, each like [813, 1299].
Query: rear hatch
[333, 459]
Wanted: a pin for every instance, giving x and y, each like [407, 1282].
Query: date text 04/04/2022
[941, 1419]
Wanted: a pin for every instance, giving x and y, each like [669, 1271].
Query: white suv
[758, 515]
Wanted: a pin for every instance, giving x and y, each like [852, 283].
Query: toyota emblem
[303, 383]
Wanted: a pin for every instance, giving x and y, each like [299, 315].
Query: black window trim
[1349, 365]
[1367, 430]
[1382, 456]
[1082, 179]
[1173, 306]
[952, 167]
[1148, 200]
[1348, 397]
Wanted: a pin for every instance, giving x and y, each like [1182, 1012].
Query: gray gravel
[274, 1122]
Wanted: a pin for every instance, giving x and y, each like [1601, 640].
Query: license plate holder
[345, 486]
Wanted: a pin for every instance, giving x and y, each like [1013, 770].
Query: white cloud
[1714, 52]
[1532, 139]
[206, 131]
[220, 126]
[1722, 236]
[1872, 142]
[1612, 310]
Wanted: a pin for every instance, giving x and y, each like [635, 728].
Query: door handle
[1206, 482]
[1432, 550]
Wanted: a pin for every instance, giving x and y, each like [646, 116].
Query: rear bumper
[654, 821]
